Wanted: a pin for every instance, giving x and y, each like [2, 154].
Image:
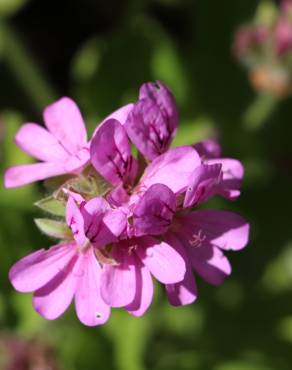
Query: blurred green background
[99, 53]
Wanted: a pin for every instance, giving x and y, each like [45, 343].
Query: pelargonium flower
[62, 147]
[180, 172]
[199, 236]
[71, 269]
[95, 268]
[142, 224]
[265, 47]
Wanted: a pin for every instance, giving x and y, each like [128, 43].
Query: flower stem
[24, 68]
[259, 111]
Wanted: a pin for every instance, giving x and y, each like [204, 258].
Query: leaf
[55, 229]
[52, 205]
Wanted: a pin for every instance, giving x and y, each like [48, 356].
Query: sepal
[54, 229]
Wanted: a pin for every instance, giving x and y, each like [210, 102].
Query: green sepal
[52, 205]
[53, 228]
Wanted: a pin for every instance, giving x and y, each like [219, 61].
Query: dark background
[99, 52]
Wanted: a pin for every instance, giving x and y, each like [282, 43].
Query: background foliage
[99, 53]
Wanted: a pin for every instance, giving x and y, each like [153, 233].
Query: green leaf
[54, 183]
[55, 229]
[52, 205]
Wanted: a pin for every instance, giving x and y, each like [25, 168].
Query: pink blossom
[62, 147]
[202, 236]
[248, 38]
[145, 226]
[286, 6]
[129, 282]
[70, 269]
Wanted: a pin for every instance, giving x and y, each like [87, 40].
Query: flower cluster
[128, 210]
[265, 47]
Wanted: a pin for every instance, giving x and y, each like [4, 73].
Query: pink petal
[28, 173]
[120, 114]
[173, 169]
[75, 221]
[144, 291]
[226, 230]
[90, 307]
[148, 128]
[233, 172]
[208, 149]
[102, 224]
[152, 123]
[153, 213]
[203, 184]
[111, 154]
[184, 292]
[77, 161]
[210, 263]
[39, 143]
[35, 270]
[118, 283]
[162, 96]
[115, 221]
[64, 121]
[52, 300]
[162, 260]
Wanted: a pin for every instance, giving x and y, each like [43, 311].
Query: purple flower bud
[152, 123]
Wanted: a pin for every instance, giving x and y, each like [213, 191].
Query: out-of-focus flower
[286, 6]
[266, 49]
[23, 354]
[248, 39]
[283, 36]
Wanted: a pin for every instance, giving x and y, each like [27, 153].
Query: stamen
[131, 249]
[104, 258]
[197, 239]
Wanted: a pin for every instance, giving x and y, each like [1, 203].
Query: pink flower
[96, 268]
[129, 283]
[200, 237]
[71, 269]
[62, 148]
[145, 226]
[248, 38]
[286, 6]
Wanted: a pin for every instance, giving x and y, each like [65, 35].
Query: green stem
[259, 111]
[25, 69]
